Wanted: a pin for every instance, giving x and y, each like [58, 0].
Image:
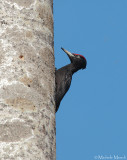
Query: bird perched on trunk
[64, 75]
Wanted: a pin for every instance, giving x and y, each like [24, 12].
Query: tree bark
[27, 80]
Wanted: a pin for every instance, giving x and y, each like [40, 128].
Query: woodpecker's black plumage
[64, 75]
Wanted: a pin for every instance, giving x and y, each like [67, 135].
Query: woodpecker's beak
[70, 55]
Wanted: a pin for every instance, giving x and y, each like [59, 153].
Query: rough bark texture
[27, 82]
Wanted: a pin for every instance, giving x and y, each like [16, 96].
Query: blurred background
[92, 117]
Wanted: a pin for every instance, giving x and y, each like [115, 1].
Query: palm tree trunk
[27, 80]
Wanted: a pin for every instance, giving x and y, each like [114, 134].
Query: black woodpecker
[64, 75]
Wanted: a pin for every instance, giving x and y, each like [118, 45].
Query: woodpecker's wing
[63, 82]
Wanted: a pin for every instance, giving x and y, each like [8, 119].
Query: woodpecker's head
[77, 59]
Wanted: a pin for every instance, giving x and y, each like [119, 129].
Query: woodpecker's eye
[78, 56]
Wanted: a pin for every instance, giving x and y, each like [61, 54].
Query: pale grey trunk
[27, 80]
